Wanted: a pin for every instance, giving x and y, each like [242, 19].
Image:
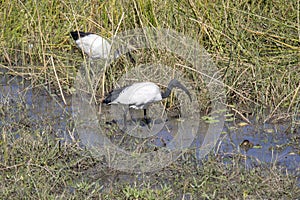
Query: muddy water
[272, 143]
[39, 108]
[35, 108]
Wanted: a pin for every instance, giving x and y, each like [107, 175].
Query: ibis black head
[78, 34]
[175, 83]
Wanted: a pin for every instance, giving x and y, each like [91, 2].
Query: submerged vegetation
[255, 45]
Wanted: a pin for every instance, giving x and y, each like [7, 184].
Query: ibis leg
[145, 114]
[147, 120]
[124, 118]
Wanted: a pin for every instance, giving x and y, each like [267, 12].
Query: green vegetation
[38, 167]
[255, 44]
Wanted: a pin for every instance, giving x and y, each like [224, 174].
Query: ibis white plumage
[96, 47]
[141, 95]
[93, 45]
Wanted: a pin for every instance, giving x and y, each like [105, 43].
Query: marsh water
[43, 109]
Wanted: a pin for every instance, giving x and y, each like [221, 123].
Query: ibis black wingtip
[107, 100]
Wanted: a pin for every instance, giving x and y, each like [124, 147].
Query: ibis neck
[169, 89]
[174, 83]
[166, 93]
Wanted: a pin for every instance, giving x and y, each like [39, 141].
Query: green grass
[36, 163]
[39, 167]
[255, 45]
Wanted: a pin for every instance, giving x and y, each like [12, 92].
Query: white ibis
[141, 95]
[95, 46]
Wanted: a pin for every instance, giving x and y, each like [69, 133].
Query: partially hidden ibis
[95, 46]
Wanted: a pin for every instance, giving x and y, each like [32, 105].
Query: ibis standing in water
[95, 46]
[141, 95]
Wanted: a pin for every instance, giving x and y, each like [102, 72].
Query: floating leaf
[257, 146]
[241, 124]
